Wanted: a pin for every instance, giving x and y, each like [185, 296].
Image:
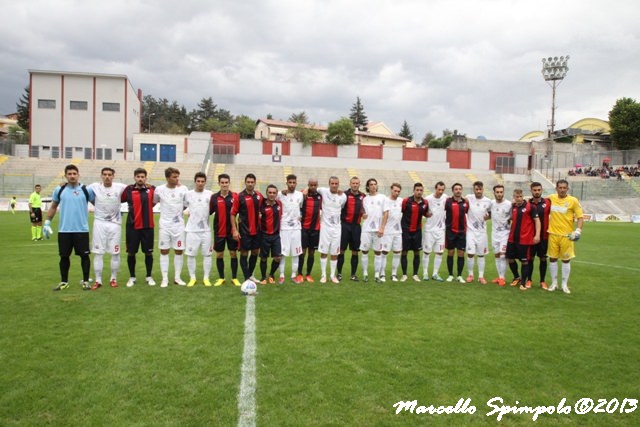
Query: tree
[624, 120]
[358, 117]
[405, 132]
[301, 117]
[305, 134]
[23, 109]
[428, 137]
[442, 142]
[341, 132]
[245, 126]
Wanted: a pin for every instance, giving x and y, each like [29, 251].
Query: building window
[47, 103]
[78, 105]
[110, 106]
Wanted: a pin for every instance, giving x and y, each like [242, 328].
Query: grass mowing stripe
[247, 392]
[606, 265]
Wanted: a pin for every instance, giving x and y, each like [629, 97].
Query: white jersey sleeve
[291, 205]
[478, 208]
[198, 205]
[107, 203]
[437, 220]
[394, 207]
[332, 204]
[172, 204]
[500, 216]
[373, 207]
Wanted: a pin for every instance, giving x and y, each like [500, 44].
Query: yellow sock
[33, 231]
[39, 231]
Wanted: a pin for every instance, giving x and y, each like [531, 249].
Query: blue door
[148, 152]
[167, 153]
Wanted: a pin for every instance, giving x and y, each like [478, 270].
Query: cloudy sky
[473, 66]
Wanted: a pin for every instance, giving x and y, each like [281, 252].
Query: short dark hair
[497, 186]
[170, 171]
[107, 169]
[199, 175]
[71, 167]
[224, 175]
[369, 181]
[138, 171]
[418, 184]
[439, 183]
[272, 186]
[478, 184]
[535, 184]
[562, 181]
[250, 175]
[455, 184]
[291, 176]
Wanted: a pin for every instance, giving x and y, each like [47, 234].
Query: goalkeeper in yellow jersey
[565, 210]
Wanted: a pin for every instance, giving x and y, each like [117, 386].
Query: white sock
[115, 265]
[503, 266]
[98, 265]
[191, 266]
[281, 266]
[498, 262]
[383, 264]
[333, 264]
[377, 262]
[437, 260]
[566, 270]
[364, 260]
[553, 271]
[295, 261]
[481, 266]
[471, 262]
[177, 265]
[425, 264]
[164, 266]
[395, 263]
[207, 262]
[323, 267]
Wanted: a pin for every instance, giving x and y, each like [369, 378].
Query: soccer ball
[82, 281]
[249, 288]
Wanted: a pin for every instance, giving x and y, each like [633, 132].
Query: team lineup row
[294, 224]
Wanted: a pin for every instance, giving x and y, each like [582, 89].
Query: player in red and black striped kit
[540, 250]
[310, 233]
[414, 209]
[455, 209]
[220, 205]
[247, 228]
[270, 217]
[351, 230]
[525, 232]
[140, 224]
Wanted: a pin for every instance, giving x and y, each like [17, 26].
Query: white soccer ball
[82, 281]
[249, 287]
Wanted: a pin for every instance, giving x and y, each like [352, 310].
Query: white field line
[624, 267]
[247, 392]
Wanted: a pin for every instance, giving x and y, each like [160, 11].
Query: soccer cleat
[425, 278]
[528, 284]
[235, 282]
[323, 279]
[501, 282]
[206, 282]
[383, 278]
[394, 278]
[523, 287]
[416, 278]
[339, 277]
[61, 286]
[113, 283]
[262, 282]
[354, 278]
[437, 278]
[553, 287]
[150, 281]
[178, 281]
[220, 282]
[335, 280]
[365, 277]
[192, 283]
[404, 278]
[515, 282]
[131, 282]
[309, 278]
[298, 279]
[253, 279]
[280, 280]
[450, 278]
[376, 278]
[272, 280]
[86, 286]
[96, 286]
[544, 286]
[482, 280]
[164, 283]
[566, 290]
[496, 281]
[470, 278]
[461, 279]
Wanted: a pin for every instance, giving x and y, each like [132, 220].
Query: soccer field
[324, 354]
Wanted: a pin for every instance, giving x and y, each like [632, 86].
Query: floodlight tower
[554, 70]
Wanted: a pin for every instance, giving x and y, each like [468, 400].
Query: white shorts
[330, 240]
[291, 242]
[198, 241]
[477, 243]
[106, 238]
[433, 241]
[499, 242]
[370, 240]
[171, 238]
[391, 242]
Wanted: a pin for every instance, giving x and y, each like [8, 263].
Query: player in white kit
[171, 197]
[330, 227]
[433, 238]
[197, 230]
[107, 225]
[392, 234]
[372, 230]
[500, 227]
[477, 239]
[290, 228]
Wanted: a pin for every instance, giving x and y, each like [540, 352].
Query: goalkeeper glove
[46, 230]
[575, 236]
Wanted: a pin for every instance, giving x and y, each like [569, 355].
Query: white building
[82, 115]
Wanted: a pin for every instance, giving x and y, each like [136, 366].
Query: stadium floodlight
[149, 128]
[554, 70]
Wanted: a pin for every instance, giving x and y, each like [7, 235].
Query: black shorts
[350, 237]
[250, 243]
[310, 238]
[37, 215]
[412, 241]
[540, 250]
[519, 252]
[270, 245]
[220, 243]
[456, 241]
[73, 241]
[141, 238]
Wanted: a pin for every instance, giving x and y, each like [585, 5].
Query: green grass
[326, 354]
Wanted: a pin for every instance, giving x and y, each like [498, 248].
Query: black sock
[354, 262]
[148, 263]
[404, 263]
[131, 263]
[220, 266]
[450, 264]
